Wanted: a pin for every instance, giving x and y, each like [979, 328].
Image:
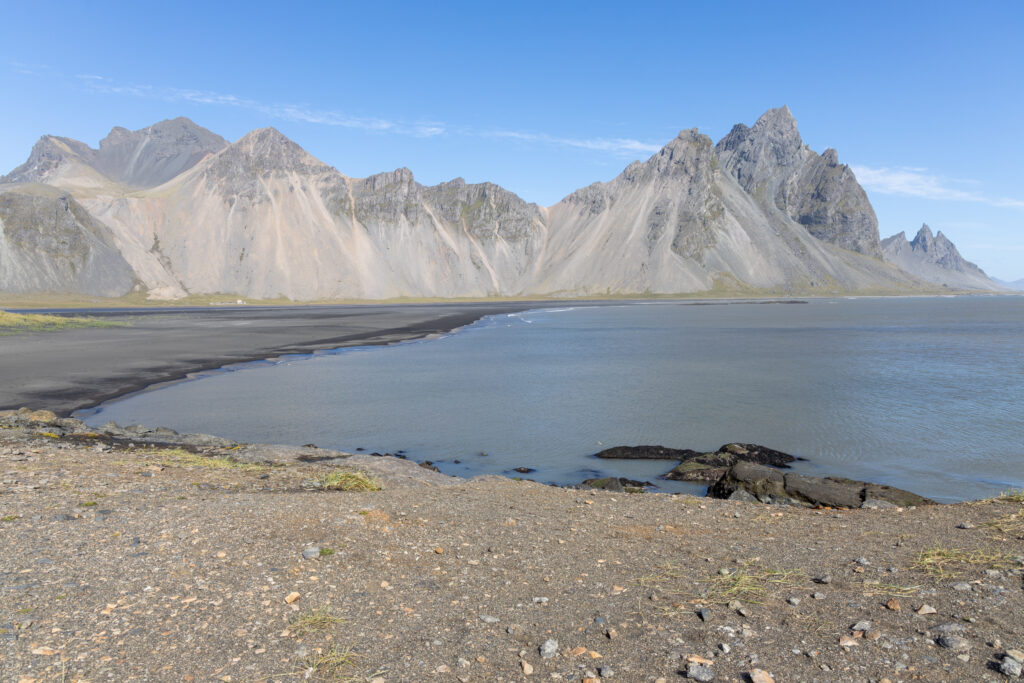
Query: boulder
[711, 466]
[42, 416]
[828, 491]
[747, 481]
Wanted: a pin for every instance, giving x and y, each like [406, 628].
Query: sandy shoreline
[77, 369]
[81, 368]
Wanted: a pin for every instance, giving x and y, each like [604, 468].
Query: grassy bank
[15, 323]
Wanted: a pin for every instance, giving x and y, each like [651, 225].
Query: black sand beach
[81, 368]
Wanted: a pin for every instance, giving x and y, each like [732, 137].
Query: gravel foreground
[149, 556]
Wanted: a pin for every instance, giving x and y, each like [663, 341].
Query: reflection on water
[925, 394]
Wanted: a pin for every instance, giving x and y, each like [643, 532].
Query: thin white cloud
[27, 69]
[618, 145]
[1008, 203]
[286, 112]
[908, 181]
[304, 114]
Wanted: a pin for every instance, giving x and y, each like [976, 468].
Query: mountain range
[1016, 284]
[935, 259]
[174, 209]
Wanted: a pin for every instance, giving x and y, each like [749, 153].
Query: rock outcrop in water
[697, 466]
[760, 484]
[262, 218]
[935, 259]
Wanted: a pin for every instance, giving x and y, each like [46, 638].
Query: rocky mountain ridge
[771, 162]
[49, 242]
[262, 218]
[137, 159]
[1015, 284]
[936, 259]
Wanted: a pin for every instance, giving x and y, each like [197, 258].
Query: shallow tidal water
[925, 394]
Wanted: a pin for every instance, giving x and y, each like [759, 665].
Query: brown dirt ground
[139, 564]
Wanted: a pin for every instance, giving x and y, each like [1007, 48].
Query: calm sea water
[925, 394]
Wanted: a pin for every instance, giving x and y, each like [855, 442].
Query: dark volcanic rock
[711, 466]
[616, 484]
[753, 482]
[646, 453]
[697, 466]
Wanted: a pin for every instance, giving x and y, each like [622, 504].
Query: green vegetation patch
[17, 323]
[347, 480]
[1016, 496]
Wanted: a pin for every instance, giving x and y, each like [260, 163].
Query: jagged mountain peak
[265, 133]
[400, 176]
[265, 139]
[151, 156]
[49, 155]
[927, 241]
[754, 155]
[936, 244]
[142, 158]
[779, 119]
[935, 258]
[265, 150]
[172, 127]
[688, 154]
[771, 162]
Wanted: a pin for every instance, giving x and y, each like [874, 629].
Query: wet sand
[80, 368]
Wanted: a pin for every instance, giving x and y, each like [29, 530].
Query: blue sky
[924, 100]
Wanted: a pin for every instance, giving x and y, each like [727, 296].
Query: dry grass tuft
[666, 573]
[949, 562]
[1009, 525]
[872, 588]
[751, 584]
[313, 621]
[178, 457]
[1015, 496]
[327, 665]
